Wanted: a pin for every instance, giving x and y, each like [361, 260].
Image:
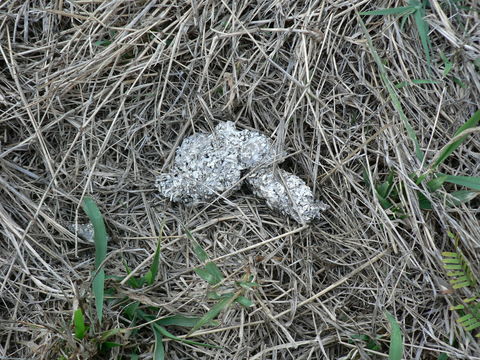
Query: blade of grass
[205, 275]
[197, 249]
[245, 302]
[471, 182]
[178, 320]
[100, 239]
[391, 11]
[79, 324]
[213, 269]
[396, 339]
[452, 146]
[447, 63]
[150, 276]
[213, 312]
[159, 351]
[393, 95]
[175, 320]
[422, 27]
[436, 183]
[414, 82]
[169, 335]
[461, 197]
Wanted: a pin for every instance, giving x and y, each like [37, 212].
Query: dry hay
[95, 96]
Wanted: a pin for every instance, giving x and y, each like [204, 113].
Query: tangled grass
[96, 95]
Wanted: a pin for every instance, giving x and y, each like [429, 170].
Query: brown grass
[79, 117]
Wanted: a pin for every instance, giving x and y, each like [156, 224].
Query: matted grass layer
[95, 96]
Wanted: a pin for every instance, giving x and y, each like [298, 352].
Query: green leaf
[131, 310]
[245, 302]
[213, 312]
[169, 335]
[436, 183]
[109, 333]
[205, 275]
[391, 11]
[472, 122]
[470, 182]
[450, 148]
[100, 238]
[461, 196]
[213, 269]
[424, 203]
[396, 339]
[443, 356]
[197, 249]
[447, 63]
[459, 82]
[159, 351]
[134, 282]
[98, 292]
[422, 27]
[178, 320]
[102, 43]
[393, 95]
[79, 324]
[150, 276]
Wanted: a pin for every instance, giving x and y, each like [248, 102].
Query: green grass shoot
[417, 10]
[451, 147]
[100, 239]
[79, 324]
[396, 338]
[159, 350]
[392, 93]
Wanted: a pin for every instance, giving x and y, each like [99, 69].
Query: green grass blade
[132, 281]
[396, 339]
[423, 201]
[391, 11]
[245, 302]
[150, 276]
[461, 197]
[178, 320]
[131, 310]
[159, 352]
[436, 183]
[472, 122]
[79, 324]
[449, 254]
[393, 95]
[169, 335]
[100, 238]
[422, 27]
[213, 312]
[452, 261]
[450, 148]
[213, 269]
[205, 275]
[447, 63]
[470, 182]
[197, 249]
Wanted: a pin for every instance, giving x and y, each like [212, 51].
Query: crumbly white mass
[209, 165]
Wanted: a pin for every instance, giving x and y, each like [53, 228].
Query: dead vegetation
[96, 95]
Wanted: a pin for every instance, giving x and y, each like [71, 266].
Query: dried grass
[81, 115]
